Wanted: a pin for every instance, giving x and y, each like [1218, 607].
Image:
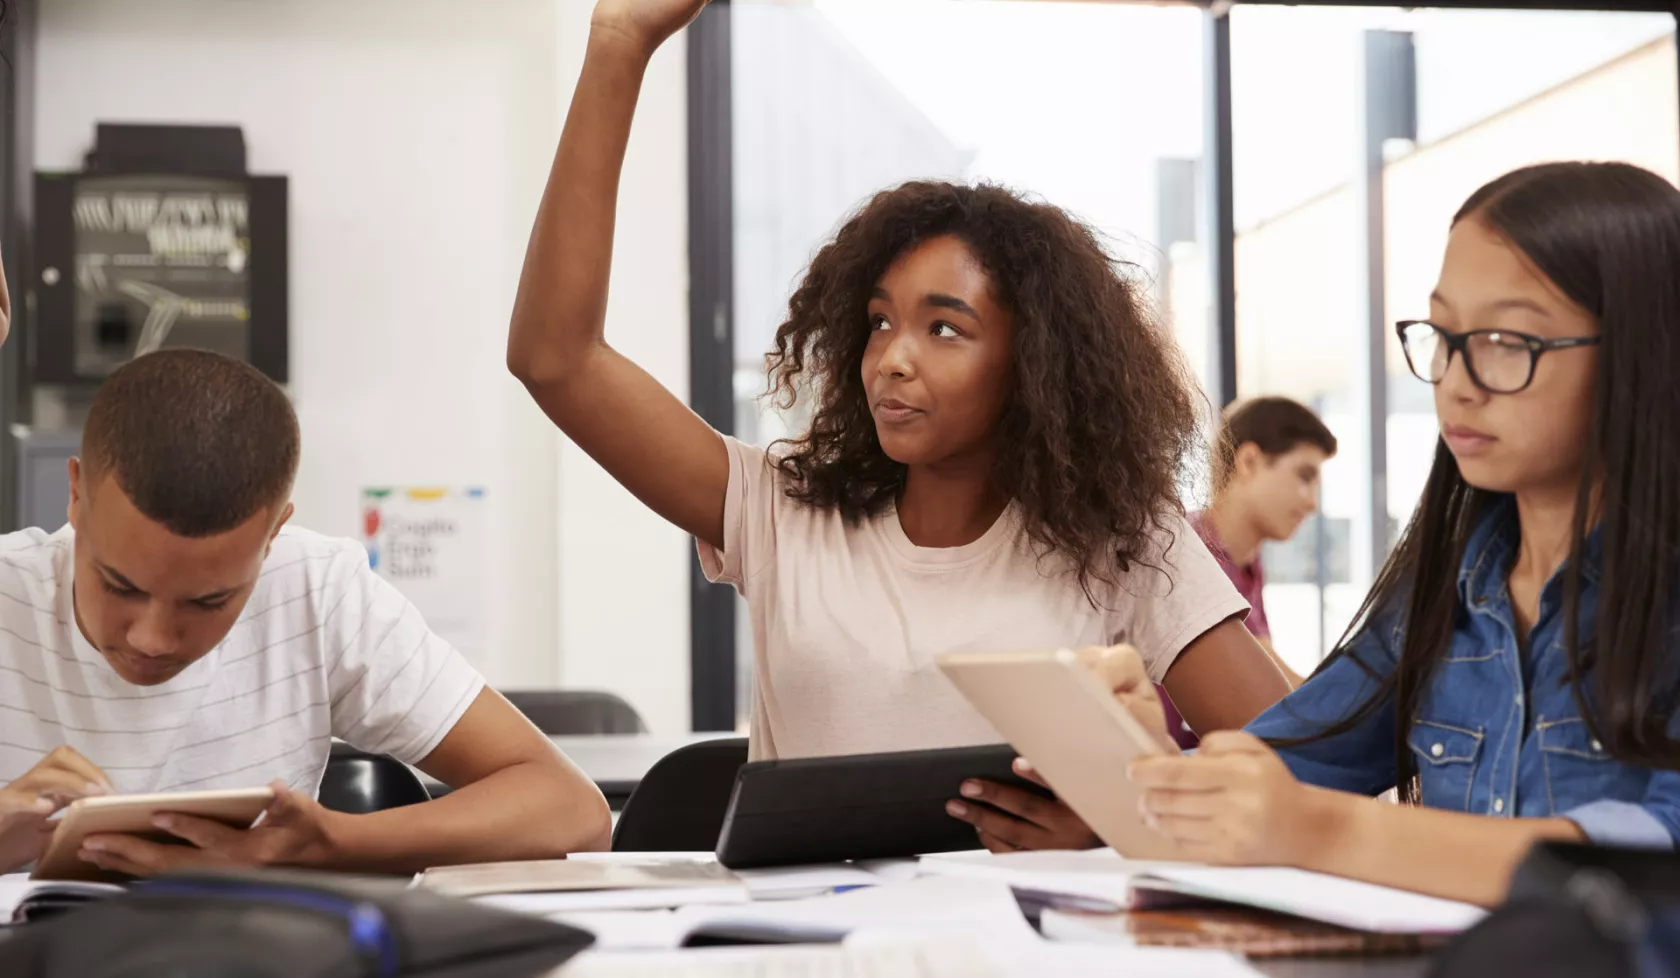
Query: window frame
[712, 270]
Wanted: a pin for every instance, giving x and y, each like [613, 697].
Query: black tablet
[862, 806]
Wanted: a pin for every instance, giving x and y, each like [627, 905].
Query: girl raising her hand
[997, 431]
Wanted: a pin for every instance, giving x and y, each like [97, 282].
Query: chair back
[576, 712]
[680, 803]
[357, 782]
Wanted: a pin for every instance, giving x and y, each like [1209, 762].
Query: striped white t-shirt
[324, 648]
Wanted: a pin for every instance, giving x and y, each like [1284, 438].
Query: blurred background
[348, 204]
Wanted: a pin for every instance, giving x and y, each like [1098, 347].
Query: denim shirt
[1496, 732]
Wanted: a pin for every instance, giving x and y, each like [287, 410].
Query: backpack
[274, 924]
[1578, 910]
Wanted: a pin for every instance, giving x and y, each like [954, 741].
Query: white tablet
[1068, 725]
[132, 815]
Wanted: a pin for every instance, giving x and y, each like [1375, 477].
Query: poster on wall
[430, 544]
[160, 261]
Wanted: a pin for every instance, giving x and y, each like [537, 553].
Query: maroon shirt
[1249, 581]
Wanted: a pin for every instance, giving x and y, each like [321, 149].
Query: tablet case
[865, 806]
[287, 924]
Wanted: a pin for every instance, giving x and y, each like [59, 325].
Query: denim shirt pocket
[1578, 770]
[1446, 760]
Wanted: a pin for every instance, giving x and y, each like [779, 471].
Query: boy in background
[1266, 464]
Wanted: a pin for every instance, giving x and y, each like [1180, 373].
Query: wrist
[623, 43]
[336, 838]
[1329, 826]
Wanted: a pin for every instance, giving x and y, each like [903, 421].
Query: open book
[1315, 896]
[23, 900]
[1104, 877]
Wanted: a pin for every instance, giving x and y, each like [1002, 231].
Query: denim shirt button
[1498, 806]
[1597, 747]
[1437, 750]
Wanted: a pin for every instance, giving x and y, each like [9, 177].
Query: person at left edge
[178, 635]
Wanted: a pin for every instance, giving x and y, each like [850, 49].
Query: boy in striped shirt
[178, 635]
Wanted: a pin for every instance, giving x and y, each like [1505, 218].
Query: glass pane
[1100, 112]
[1494, 90]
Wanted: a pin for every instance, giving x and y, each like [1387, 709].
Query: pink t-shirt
[1249, 581]
[848, 619]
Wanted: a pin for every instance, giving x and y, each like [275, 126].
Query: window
[1460, 97]
[837, 100]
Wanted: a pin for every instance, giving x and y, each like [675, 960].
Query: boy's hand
[294, 831]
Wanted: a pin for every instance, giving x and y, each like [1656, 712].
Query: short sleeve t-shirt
[1248, 579]
[849, 618]
[324, 648]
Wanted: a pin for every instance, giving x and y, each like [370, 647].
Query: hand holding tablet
[1071, 725]
[134, 815]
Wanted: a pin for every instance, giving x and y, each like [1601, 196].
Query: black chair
[576, 712]
[357, 782]
[680, 804]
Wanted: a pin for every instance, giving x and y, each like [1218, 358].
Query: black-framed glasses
[1498, 361]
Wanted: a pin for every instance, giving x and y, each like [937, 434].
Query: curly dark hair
[1103, 411]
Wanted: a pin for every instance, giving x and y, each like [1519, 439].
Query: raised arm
[645, 437]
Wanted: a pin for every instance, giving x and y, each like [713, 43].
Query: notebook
[559, 885]
[1240, 930]
[23, 900]
[1315, 896]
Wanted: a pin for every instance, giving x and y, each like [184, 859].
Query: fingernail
[92, 846]
[1147, 815]
[971, 789]
[1023, 765]
[956, 809]
[164, 822]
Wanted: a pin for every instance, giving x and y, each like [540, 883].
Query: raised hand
[645, 24]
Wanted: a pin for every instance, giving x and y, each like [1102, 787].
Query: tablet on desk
[865, 806]
[132, 815]
[1070, 728]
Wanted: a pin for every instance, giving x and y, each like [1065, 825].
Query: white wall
[417, 135]
[623, 572]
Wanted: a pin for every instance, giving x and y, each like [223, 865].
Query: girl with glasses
[1513, 670]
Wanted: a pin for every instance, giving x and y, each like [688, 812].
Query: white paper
[867, 956]
[792, 882]
[549, 904]
[1331, 899]
[1104, 961]
[926, 908]
[1100, 874]
[938, 959]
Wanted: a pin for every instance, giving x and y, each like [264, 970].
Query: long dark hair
[1608, 236]
[1102, 410]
